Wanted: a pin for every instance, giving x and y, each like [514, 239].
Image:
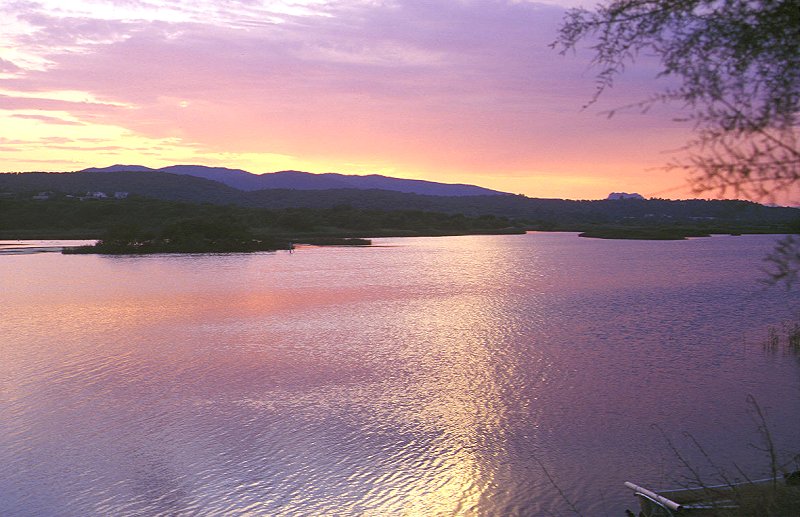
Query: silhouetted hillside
[152, 184]
[119, 168]
[556, 213]
[546, 214]
[297, 180]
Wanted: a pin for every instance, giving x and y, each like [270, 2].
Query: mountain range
[718, 216]
[297, 180]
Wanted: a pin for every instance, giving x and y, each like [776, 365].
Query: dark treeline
[544, 214]
[218, 233]
[62, 217]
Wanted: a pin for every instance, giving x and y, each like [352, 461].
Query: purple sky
[452, 91]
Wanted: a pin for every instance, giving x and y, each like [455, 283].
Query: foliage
[660, 233]
[737, 67]
[783, 263]
[729, 497]
[785, 338]
[365, 211]
[220, 233]
[142, 222]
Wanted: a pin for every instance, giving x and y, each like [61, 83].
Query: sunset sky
[456, 91]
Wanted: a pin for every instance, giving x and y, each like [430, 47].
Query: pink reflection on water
[431, 375]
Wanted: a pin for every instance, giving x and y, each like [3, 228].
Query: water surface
[430, 376]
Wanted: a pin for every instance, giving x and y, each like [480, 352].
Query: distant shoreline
[207, 246]
[30, 246]
[82, 247]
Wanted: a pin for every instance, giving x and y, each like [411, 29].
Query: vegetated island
[137, 225]
[194, 235]
[198, 236]
[655, 233]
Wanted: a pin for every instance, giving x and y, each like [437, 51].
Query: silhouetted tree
[737, 66]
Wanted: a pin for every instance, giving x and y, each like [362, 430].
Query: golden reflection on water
[449, 387]
[459, 382]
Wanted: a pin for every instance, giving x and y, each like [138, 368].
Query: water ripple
[431, 378]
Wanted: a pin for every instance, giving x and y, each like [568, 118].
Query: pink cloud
[45, 140]
[8, 67]
[49, 161]
[12, 102]
[418, 47]
[52, 31]
[48, 119]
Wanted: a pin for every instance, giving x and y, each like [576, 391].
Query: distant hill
[298, 180]
[152, 184]
[624, 195]
[119, 168]
[716, 216]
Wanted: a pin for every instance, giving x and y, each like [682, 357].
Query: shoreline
[84, 246]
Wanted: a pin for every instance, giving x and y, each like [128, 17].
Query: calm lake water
[429, 376]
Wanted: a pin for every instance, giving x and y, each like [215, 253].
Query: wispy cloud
[48, 119]
[8, 67]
